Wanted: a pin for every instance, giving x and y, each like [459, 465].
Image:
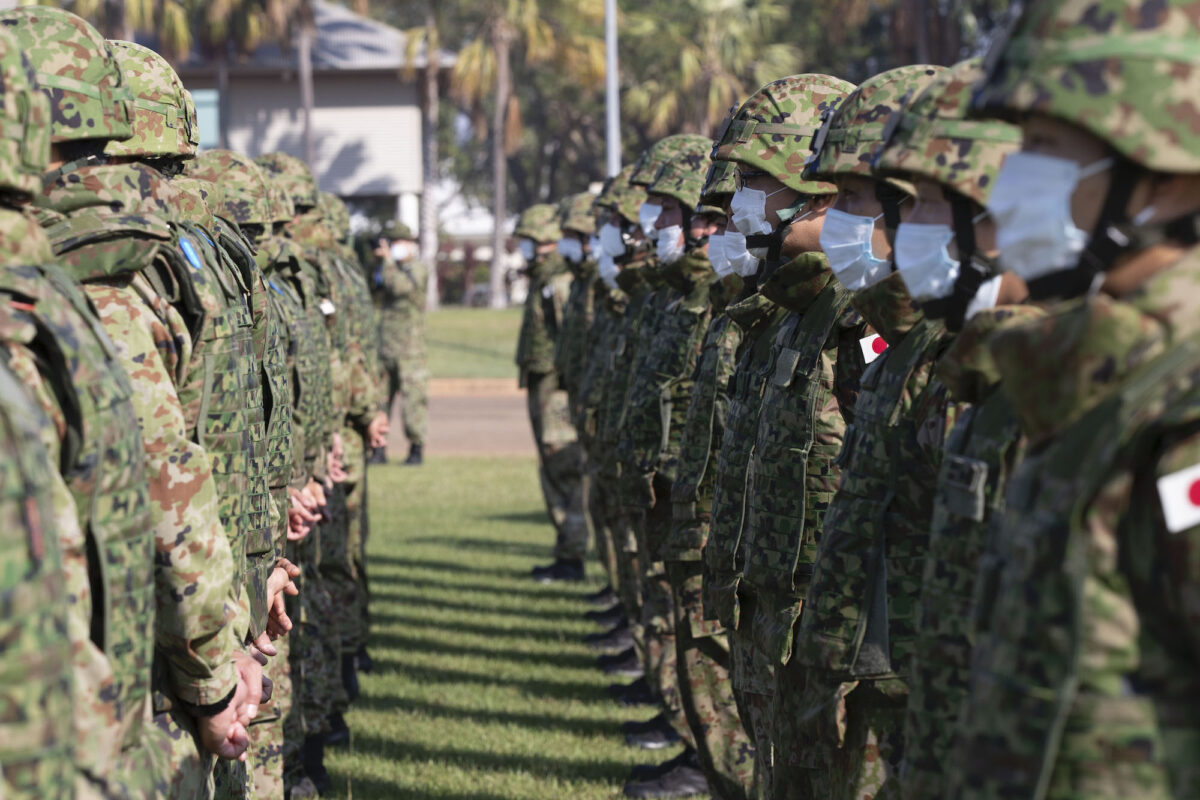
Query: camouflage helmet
[855, 132]
[195, 198]
[395, 229]
[683, 178]
[774, 129]
[281, 206]
[89, 98]
[575, 213]
[931, 139]
[621, 196]
[294, 176]
[539, 223]
[242, 195]
[719, 185]
[662, 152]
[336, 213]
[24, 122]
[164, 115]
[1123, 70]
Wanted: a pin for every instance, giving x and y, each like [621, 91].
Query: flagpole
[612, 89]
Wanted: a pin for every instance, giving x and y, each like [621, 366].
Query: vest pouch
[963, 486]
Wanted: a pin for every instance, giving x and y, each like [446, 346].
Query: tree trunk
[430, 101]
[501, 43]
[304, 54]
[116, 20]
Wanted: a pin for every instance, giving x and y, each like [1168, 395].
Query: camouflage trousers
[752, 678]
[266, 733]
[602, 535]
[190, 768]
[702, 662]
[853, 734]
[339, 571]
[356, 545]
[408, 378]
[560, 464]
[331, 611]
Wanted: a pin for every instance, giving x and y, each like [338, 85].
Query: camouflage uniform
[981, 450]
[559, 451]
[401, 291]
[769, 132]
[108, 224]
[59, 737]
[1084, 670]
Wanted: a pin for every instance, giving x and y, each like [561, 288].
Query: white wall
[366, 129]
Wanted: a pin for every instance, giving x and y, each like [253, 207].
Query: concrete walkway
[477, 417]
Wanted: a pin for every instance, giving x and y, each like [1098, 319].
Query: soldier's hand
[300, 515]
[316, 491]
[377, 431]
[223, 734]
[280, 583]
[335, 460]
[249, 673]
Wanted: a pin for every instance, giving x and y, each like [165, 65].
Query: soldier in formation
[885, 406]
[190, 393]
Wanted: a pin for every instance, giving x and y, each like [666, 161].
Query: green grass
[472, 342]
[482, 689]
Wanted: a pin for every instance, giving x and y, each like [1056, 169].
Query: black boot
[637, 693]
[414, 456]
[613, 615]
[601, 599]
[350, 676]
[378, 456]
[612, 641]
[653, 734]
[312, 759]
[645, 772]
[625, 664]
[682, 780]
[339, 732]
[362, 660]
[563, 569]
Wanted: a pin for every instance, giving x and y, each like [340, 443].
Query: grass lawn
[472, 342]
[482, 689]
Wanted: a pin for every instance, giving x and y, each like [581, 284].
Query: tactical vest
[36, 736]
[578, 315]
[107, 475]
[759, 319]
[792, 473]
[703, 431]
[1057, 704]
[535, 347]
[596, 370]
[859, 616]
[620, 372]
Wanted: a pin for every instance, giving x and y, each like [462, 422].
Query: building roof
[345, 42]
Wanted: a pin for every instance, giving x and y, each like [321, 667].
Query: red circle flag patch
[1180, 496]
[872, 347]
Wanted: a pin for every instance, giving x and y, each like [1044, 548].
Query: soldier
[1084, 671]
[984, 446]
[68, 731]
[780, 214]
[723, 750]
[664, 337]
[559, 452]
[400, 283]
[204, 697]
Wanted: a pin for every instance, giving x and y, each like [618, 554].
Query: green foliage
[482, 688]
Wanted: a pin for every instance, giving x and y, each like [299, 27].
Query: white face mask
[571, 249]
[611, 241]
[846, 241]
[985, 298]
[608, 270]
[741, 261]
[594, 245]
[670, 244]
[648, 214]
[401, 251]
[925, 265]
[527, 250]
[718, 255]
[748, 211]
[1031, 203]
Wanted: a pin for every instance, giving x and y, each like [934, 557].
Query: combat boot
[339, 732]
[312, 760]
[415, 456]
[653, 734]
[681, 781]
[563, 569]
[625, 664]
[645, 772]
[601, 599]
[608, 617]
[638, 693]
[613, 641]
[378, 456]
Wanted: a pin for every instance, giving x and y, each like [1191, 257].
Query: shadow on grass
[492, 546]
[431, 644]
[534, 722]
[531, 687]
[529, 609]
[524, 518]
[527, 633]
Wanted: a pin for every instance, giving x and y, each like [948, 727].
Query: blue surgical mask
[846, 242]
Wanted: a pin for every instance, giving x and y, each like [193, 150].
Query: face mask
[611, 241]
[718, 255]
[571, 250]
[527, 250]
[401, 251]
[594, 245]
[1031, 203]
[748, 211]
[670, 244]
[985, 298]
[925, 266]
[608, 270]
[846, 241]
[741, 262]
[648, 214]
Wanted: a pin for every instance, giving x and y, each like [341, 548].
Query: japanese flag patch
[872, 347]
[1180, 496]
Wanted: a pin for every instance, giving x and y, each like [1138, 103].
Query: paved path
[472, 417]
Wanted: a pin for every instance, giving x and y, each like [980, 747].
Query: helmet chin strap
[974, 268]
[773, 241]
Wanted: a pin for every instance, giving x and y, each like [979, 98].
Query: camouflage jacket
[401, 292]
[108, 225]
[703, 430]
[981, 452]
[1084, 675]
[858, 621]
[759, 317]
[578, 315]
[601, 343]
[549, 284]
